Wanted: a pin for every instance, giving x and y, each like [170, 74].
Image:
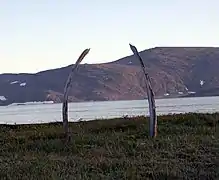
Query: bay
[43, 113]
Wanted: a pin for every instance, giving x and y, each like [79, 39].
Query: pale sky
[37, 35]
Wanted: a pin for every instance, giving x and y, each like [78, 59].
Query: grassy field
[187, 147]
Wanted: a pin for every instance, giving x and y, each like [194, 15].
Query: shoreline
[113, 118]
[4, 103]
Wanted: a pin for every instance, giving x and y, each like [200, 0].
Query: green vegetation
[187, 147]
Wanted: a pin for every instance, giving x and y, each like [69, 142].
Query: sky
[36, 35]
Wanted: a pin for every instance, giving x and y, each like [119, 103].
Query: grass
[187, 147]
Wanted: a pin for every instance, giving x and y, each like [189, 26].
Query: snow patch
[166, 94]
[180, 92]
[3, 98]
[202, 82]
[191, 92]
[14, 82]
[33, 103]
[23, 84]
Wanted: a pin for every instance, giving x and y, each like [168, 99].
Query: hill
[175, 71]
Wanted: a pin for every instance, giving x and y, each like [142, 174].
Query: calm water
[96, 110]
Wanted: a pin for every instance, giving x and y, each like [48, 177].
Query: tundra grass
[187, 147]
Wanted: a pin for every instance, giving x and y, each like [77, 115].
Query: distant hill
[175, 71]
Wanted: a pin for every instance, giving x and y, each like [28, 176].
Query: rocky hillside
[174, 72]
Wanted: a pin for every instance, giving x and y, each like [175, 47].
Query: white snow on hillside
[202, 82]
[14, 82]
[191, 92]
[23, 84]
[3, 98]
[166, 94]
